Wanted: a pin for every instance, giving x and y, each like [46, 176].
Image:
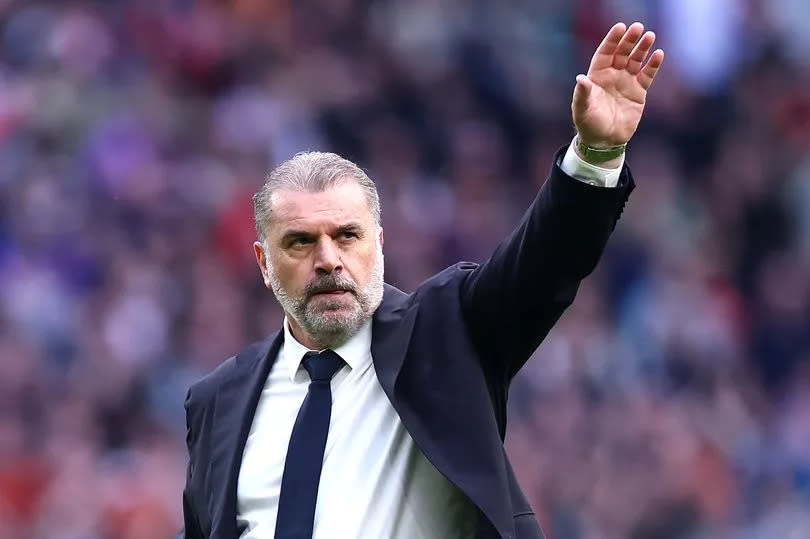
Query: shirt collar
[355, 352]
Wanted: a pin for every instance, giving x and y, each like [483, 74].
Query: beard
[328, 321]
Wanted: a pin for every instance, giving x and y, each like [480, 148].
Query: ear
[261, 259]
[381, 237]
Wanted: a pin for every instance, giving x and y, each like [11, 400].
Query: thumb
[582, 91]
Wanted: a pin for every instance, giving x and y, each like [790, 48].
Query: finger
[650, 70]
[581, 92]
[603, 56]
[640, 53]
[626, 45]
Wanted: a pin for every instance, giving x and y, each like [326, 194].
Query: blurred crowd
[672, 401]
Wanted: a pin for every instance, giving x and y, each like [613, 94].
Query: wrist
[600, 155]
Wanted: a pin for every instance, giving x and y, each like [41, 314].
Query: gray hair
[311, 172]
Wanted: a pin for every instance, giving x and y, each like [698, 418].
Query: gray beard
[328, 327]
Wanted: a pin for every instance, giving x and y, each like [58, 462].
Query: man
[375, 413]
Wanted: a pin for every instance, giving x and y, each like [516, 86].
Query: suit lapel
[392, 331]
[234, 408]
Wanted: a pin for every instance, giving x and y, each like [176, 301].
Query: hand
[609, 101]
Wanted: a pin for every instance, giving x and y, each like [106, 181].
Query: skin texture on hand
[609, 101]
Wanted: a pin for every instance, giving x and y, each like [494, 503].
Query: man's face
[323, 260]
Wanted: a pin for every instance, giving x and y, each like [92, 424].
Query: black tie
[302, 468]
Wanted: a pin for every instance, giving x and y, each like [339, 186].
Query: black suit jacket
[444, 355]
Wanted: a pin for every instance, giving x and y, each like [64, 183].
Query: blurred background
[671, 401]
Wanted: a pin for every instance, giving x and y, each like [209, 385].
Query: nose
[327, 256]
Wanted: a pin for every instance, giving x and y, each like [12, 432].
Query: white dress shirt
[375, 482]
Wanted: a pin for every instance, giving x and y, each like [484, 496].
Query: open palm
[608, 102]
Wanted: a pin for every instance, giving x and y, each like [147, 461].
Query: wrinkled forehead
[343, 202]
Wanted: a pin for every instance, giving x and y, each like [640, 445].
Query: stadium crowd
[672, 400]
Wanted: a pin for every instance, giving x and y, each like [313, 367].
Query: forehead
[345, 201]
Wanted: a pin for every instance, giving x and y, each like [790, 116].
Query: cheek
[292, 274]
[361, 264]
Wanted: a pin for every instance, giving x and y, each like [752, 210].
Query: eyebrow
[295, 234]
[350, 227]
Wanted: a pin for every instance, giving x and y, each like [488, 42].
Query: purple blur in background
[671, 401]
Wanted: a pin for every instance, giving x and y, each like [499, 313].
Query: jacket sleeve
[191, 524]
[511, 301]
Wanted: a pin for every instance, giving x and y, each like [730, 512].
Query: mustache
[329, 283]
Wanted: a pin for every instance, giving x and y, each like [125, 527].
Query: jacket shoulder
[204, 389]
[446, 286]
[450, 277]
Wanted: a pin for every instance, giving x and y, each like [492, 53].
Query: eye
[348, 234]
[300, 241]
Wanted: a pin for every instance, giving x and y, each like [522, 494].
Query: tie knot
[322, 366]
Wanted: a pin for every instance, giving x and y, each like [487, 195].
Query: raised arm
[512, 301]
